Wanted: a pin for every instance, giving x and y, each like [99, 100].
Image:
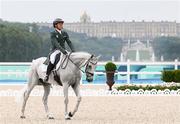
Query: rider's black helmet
[58, 20]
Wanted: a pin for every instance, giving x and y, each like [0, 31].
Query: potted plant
[110, 68]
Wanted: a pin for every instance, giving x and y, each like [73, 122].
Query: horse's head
[90, 67]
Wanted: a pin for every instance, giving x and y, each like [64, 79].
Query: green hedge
[171, 76]
[168, 76]
[148, 87]
[177, 76]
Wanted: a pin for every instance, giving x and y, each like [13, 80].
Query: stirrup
[46, 78]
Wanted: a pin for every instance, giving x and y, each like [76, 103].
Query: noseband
[87, 63]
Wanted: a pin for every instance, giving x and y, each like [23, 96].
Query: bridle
[86, 64]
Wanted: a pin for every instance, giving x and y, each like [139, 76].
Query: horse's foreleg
[45, 100]
[25, 98]
[77, 92]
[66, 100]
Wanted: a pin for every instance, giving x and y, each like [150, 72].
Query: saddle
[46, 62]
[56, 67]
[57, 78]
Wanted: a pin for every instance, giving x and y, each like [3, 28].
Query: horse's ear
[98, 56]
[92, 56]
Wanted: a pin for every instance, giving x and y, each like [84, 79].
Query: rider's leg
[57, 58]
[51, 64]
[49, 69]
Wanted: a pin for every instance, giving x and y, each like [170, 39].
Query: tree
[167, 47]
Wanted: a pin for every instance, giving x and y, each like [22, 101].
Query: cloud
[99, 10]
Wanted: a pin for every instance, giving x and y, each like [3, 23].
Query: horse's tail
[32, 71]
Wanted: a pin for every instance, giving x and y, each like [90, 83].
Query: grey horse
[69, 76]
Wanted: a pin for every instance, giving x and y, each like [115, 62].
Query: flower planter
[110, 79]
[110, 68]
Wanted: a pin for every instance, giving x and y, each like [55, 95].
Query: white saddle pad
[43, 67]
[60, 61]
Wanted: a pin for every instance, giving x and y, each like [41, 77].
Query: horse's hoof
[68, 118]
[22, 117]
[70, 114]
[51, 118]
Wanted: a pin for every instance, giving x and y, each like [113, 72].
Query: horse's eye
[90, 67]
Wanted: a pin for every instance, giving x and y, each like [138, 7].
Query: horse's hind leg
[25, 98]
[45, 100]
[33, 80]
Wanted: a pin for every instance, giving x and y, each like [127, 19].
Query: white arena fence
[128, 72]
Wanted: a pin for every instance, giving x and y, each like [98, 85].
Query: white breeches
[53, 56]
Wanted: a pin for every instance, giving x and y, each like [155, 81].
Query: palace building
[133, 30]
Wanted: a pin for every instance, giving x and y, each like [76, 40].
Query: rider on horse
[58, 39]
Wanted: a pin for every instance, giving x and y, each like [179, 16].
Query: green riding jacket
[58, 41]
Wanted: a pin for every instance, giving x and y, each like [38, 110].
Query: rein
[68, 57]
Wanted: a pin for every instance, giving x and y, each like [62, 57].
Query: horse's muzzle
[89, 80]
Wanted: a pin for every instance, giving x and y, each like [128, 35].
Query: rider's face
[59, 26]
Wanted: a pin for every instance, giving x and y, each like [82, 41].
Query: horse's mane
[84, 55]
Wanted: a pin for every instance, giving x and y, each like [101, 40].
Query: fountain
[162, 58]
[121, 57]
[153, 57]
[137, 55]
[112, 59]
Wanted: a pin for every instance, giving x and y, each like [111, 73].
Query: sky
[98, 10]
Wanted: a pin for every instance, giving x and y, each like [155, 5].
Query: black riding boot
[49, 69]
